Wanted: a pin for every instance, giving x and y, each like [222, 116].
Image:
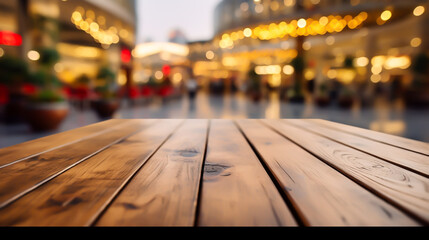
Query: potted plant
[417, 95]
[254, 85]
[47, 107]
[82, 91]
[13, 75]
[296, 93]
[322, 95]
[107, 102]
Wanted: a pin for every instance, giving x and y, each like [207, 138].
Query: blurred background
[69, 63]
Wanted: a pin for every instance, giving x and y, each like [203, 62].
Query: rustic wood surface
[154, 172]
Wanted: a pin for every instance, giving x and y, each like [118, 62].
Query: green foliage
[13, 70]
[108, 89]
[298, 63]
[83, 80]
[47, 96]
[348, 62]
[152, 82]
[44, 79]
[254, 80]
[48, 56]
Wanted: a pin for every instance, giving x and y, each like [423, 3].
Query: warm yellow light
[274, 6]
[122, 78]
[289, 3]
[331, 74]
[288, 70]
[323, 21]
[159, 75]
[76, 16]
[247, 32]
[378, 60]
[415, 42]
[210, 55]
[275, 80]
[94, 27]
[361, 61]
[124, 33]
[346, 76]
[268, 70]
[375, 78]
[177, 78]
[33, 55]
[259, 8]
[386, 15]
[301, 23]
[101, 20]
[309, 74]
[330, 40]
[402, 62]
[419, 10]
[90, 14]
[376, 69]
[1, 52]
[84, 25]
[59, 67]
[306, 46]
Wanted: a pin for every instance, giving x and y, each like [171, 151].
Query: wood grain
[404, 143]
[164, 192]
[237, 191]
[78, 196]
[404, 188]
[20, 178]
[321, 195]
[29, 149]
[410, 160]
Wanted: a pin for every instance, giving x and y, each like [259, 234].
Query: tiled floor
[386, 117]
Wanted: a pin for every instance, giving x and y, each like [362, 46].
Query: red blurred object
[67, 91]
[4, 95]
[166, 69]
[147, 91]
[166, 91]
[133, 93]
[82, 93]
[28, 89]
[125, 55]
[10, 38]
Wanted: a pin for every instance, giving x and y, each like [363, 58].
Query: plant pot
[345, 102]
[14, 112]
[415, 98]
[323, 101]
[106, 108]
[46, 116]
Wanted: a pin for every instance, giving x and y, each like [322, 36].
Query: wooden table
[215, 173]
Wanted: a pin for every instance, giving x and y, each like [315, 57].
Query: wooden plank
[22, 177]
[236, 189]
[78, 196]
[405, 143]
[403, 188]
[29, 149]
[321, 195]
[165, 191]
[410, 160]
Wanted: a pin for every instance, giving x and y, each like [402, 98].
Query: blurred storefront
[365, 46]
[87, 34]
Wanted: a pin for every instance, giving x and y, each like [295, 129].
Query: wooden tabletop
[165, 172]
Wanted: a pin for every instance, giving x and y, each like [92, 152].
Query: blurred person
[192, 87]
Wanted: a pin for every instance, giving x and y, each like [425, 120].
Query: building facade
[379, 38]
[88, 34]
